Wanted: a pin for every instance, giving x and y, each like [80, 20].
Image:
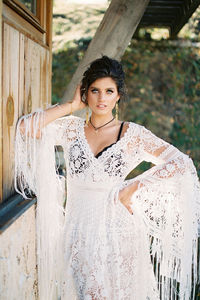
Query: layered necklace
[97, 128]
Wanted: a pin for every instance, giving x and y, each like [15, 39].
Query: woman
[133, 239]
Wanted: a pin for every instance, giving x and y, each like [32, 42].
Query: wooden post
[112, 36]
[1, 129]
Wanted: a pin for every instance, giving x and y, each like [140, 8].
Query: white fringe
[35, 173]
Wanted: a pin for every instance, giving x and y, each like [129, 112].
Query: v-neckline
[92, 155]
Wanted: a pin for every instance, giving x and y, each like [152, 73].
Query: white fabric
[95, 249]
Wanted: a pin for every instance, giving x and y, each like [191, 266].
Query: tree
[112, 36]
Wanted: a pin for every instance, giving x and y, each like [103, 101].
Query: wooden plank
[23, 11]
[164, 10]
[44, 79]
[182, 19]
[164, 2]
[163, 7]
[21, 76]
[1, 123]
[49, 20]
[10, 104]
[32, 75]
[21, 24]
[159, 18]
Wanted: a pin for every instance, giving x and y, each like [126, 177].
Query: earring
[83, 98]
[87, 115]
[116, 112]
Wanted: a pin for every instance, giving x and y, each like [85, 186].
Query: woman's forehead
[106, 82]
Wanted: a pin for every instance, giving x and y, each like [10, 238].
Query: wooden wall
[26, 78]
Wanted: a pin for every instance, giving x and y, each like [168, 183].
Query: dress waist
[78, 185]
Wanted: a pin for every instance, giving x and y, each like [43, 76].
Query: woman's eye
[94, 91]
[109, 91]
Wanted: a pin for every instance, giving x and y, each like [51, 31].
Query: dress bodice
[114, 163]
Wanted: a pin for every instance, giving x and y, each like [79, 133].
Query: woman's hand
[77, 102]
[126, 193]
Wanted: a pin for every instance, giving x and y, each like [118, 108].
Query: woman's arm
[169, 161]
[55, 112]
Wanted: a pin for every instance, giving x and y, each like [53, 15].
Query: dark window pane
[30, 4]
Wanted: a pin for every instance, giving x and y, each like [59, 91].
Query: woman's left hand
[126, 193]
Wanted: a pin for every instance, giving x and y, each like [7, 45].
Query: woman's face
[102, 96]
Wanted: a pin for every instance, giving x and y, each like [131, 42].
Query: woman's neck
[98, 120]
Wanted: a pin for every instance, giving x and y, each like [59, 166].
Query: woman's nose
[101, 96]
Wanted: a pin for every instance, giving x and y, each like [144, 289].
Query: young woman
[116, 239]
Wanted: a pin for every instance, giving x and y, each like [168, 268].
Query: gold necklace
[97, 128]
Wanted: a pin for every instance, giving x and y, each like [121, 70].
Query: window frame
[36, 20]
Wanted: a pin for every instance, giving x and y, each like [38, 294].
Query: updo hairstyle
[101, 68]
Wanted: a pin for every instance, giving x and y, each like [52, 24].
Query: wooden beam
[162, 7]
[164, 2]
[112, 36]
[183, 18]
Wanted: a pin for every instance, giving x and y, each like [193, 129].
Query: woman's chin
[100, 112]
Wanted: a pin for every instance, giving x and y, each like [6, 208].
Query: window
[31, 5]
[30, 10]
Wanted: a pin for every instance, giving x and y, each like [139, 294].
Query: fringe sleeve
[35, 173]
[168, 198]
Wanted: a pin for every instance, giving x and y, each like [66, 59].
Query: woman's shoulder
[67, 121]
[132, 126]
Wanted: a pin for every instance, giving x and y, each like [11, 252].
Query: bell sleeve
[36, 175]
[168, 197]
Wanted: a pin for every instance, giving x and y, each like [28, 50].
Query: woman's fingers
[128, 206]
[130, 209]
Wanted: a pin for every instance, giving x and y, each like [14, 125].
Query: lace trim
[84, 143]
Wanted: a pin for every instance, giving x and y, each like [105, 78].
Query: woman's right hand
[77, 102]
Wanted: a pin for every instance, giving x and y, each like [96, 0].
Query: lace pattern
[106, 249]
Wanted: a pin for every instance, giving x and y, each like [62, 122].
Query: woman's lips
[101, 106]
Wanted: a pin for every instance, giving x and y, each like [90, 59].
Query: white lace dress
[110, 254]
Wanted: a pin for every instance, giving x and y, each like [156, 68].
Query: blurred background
[162, 75]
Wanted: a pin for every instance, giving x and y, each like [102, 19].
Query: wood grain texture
[21, 24]
[10, 104]
[26, 87]
[26, 78]
[21, 107]
[32, 75]
[45, 75]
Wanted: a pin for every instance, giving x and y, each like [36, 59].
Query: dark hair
[101, 68]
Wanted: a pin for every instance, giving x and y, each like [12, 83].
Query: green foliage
[164, 88]
[163, 84]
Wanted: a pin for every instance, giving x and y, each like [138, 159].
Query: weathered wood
[183, 18]
[21, 75]
[10, 104]
[45, 80]
[1, 129]
[26, 85]
[32, 76]
[25, 89]
[18, 277]
[26, 14]
[49, 21]
[112, 36]
[20, 24]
